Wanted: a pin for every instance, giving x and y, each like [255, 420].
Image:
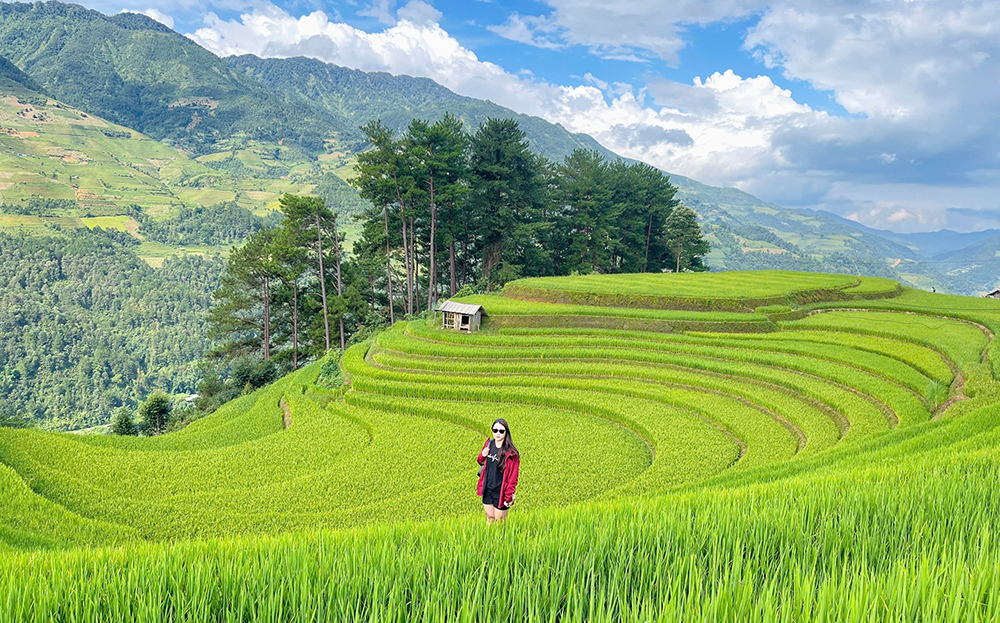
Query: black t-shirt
[494, 475]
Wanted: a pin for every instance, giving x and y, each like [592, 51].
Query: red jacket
[509, 483]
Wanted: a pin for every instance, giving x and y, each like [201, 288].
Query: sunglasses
[499, 430]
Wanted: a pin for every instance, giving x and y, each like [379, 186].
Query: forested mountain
[136, 72]
[13, 78]
[168, 87]
[358, 97]
[86, 326]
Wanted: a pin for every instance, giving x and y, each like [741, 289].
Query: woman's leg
[499, 515]
[489, 509]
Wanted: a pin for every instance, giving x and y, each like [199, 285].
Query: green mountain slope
[88, 171]
[12, 78]
[358, 97]
[136, 72]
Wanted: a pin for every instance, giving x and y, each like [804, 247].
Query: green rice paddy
[840, 466]
[726, 291]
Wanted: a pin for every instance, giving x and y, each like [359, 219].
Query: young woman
[498, 478]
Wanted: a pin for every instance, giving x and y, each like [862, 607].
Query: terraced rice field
[839, 466]
[735, 291]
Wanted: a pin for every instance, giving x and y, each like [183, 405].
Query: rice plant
[838, 467]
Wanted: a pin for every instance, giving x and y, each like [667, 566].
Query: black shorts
[492, 498]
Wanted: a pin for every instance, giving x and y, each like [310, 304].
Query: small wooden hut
[461, 316]
[992, 295]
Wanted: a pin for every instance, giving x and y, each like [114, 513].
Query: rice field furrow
[873, 388]
[754, 395]
[703, 379]
[902, 375]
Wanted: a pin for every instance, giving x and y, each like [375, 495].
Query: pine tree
[587, 221]
[507, 200]
[310, 214]
[682, 237]
[291, 262]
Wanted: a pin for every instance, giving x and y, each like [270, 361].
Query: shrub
[121, 422]
[155, 413]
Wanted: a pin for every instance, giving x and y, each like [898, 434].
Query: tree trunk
[432, 266]
[340, 288]
[465, 256]
[295, 325]
[493, 256]
[416, 268]
[322, 281]
[388, 264]
[678, 260]
[406, 252]
[451, 267]
[409, 276]
[649, 231]
[267, 319]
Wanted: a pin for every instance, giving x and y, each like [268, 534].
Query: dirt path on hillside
[286, 412]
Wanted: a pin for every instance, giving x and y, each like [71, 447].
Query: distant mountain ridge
[926, 243]
[249, 118]
[357, 97]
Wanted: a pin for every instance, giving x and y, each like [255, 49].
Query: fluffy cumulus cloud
[156, 14]
[919, 77]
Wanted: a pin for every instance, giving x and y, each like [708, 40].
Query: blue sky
[884, 111]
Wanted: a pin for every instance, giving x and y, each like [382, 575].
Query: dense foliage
[86, 326]
[216, 225]
[483, 210]
[287, 293]
[38, 206]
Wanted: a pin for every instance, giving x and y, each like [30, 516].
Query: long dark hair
[507, 447]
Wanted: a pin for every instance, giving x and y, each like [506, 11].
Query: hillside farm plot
[729, 291]
[676, 474]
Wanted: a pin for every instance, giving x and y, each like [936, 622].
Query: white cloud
[155, 14]
[721, 135]
[594, 80]
[419, 12]
[627, 30]
[531, 30]
[899, 215]
[722, 129]
[380, 10]
[891, 59]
